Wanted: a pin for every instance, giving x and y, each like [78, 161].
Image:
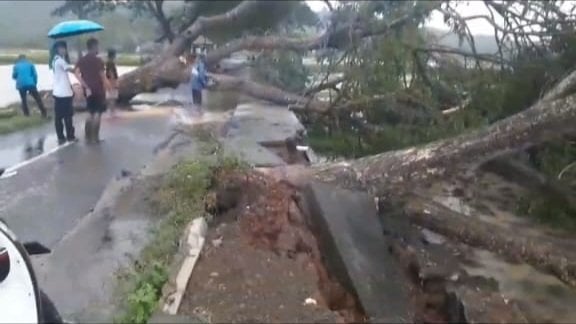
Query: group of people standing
[98, 81]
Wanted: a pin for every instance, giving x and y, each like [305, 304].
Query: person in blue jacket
[199, 80]
[24, 73]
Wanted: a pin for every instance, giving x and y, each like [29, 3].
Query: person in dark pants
[92, 76]
[24, 73]
[62, 93]
[199, 81]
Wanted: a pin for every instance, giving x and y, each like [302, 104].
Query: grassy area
[181, 197]
[18, 122]
[11, 120]
[42, 57]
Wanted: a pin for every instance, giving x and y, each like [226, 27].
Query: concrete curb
[183, 265]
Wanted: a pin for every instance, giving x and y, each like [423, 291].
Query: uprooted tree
[393, 69]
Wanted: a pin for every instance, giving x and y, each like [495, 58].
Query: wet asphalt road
[46, 198]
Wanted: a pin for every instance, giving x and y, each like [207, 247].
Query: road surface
[46, 198]
[48, 192]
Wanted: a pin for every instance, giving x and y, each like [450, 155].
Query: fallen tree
[394, 176]
[390, 174]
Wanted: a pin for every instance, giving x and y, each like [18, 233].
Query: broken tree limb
[263, 43]
[563, 88]
[453, 51]
[266, 92]
[330, 84]
[539, 252]
[200, 25]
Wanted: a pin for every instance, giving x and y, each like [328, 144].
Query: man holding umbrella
[91, 73]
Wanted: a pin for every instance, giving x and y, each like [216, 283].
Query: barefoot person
[92, 76]
[62, 93]
[24, 73]
[112, 77]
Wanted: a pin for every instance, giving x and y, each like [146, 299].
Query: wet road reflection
[32, 149]
[25, 145]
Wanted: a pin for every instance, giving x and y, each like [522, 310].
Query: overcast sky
[465, 8]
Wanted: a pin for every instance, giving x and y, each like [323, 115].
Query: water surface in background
[8, 93]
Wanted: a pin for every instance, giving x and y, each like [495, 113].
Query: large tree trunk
[395, 171]
[165, 71]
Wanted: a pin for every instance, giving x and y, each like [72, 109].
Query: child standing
[112, 76]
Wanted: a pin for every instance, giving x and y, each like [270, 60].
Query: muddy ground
[260, 263]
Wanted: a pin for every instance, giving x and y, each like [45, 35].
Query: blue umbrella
[73, 28]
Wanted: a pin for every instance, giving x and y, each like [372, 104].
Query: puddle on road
[24, 148]
[541, 297]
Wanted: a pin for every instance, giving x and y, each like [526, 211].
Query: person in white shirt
[63, 93]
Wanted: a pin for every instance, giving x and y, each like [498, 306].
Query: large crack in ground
[273, 262]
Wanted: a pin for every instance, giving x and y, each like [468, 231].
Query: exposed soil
[260, 263]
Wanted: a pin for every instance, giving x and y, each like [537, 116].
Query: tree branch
[448, 50]
[265, 92]
[337, 38]
[331, 84]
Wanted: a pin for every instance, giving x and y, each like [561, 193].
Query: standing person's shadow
[34, 149]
